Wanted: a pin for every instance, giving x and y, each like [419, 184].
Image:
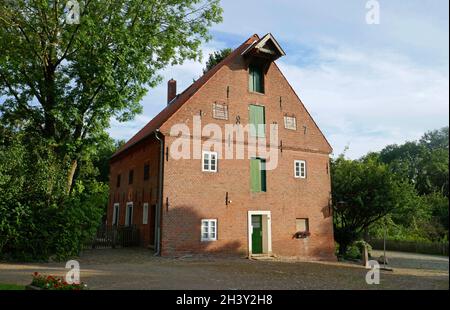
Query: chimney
[171, 90]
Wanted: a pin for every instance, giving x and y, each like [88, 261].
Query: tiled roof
[182, 98]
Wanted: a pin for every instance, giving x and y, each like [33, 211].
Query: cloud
[368, 99]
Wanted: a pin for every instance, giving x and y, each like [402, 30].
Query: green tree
[65, 81]
[364, 191]
[424, 162]
[37, 219]
[216, 57]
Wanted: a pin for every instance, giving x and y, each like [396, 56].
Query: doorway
[259, 233]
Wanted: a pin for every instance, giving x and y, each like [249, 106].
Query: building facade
[208, 203]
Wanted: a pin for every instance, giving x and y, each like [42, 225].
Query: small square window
[220, 111]
[302, 225]
[300, 169]
[290, 122]
[208, 230]
[209, 161]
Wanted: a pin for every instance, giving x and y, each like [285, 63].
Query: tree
[216, 57]
[364, 191]
[424, 162]
[37, 219]
[65, 81]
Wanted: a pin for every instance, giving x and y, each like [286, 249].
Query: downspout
[160, 192]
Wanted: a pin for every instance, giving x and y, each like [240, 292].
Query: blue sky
[365, 85]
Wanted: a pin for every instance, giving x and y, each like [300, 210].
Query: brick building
[229, 206]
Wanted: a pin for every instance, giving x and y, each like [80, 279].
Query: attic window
[220, 111]
[290, 122]
[256, 78]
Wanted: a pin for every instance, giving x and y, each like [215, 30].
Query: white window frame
[128, 215]
[300, 163]
[116, 213]
[145, 213]
[220, 106]
[208, 222]
[210, 154]
[286, 117]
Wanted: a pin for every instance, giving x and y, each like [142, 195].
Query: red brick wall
[193, 194]
[140, 191]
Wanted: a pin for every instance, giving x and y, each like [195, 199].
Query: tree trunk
[73, 168]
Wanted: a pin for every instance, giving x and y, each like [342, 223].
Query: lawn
[11, 287]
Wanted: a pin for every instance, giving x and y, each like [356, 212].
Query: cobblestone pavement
[139, 269]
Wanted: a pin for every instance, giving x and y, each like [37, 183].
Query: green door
[257, 234]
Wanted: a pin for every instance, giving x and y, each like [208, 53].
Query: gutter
[160, 192]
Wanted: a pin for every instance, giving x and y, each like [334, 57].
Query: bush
[38, 218]
[356, 250]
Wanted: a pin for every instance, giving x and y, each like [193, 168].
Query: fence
[114, 236]
[437, 248]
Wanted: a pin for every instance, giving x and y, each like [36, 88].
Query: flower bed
[53, 283]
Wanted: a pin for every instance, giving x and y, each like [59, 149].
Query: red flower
[35, 273]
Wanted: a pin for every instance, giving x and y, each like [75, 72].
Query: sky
[365, 85]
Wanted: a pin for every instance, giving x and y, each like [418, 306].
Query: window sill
[256, 93]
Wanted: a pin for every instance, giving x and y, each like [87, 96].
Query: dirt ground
[139, 269]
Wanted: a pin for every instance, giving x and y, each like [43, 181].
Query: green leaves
[364, 191]
[66, 81]
[215, 58]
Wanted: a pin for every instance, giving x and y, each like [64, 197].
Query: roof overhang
[267, 47]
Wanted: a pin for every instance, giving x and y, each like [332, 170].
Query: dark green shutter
[251, 78]
[257, 76]
[255, 79]
[263, 175]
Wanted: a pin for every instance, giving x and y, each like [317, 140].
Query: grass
[11, 287]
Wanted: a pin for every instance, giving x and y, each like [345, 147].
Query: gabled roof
[180, 99]
[266, 46]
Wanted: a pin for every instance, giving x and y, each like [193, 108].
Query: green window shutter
[258, 80]
[257, 119]
[260, 118]
[255, 79]
[251, 78]
[263, 175]
[252, 120]
[255, 175]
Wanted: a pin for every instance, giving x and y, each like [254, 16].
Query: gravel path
[139, 269]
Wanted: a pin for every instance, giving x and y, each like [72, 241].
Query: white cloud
[370, 99]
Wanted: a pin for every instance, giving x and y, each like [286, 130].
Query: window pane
[220, 111]
[251, 85]
[263, 175]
